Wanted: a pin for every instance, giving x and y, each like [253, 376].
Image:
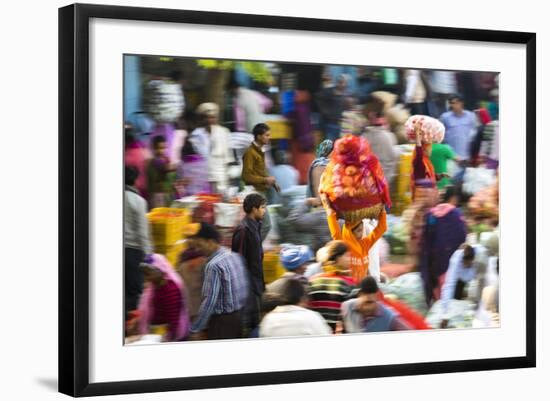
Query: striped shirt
[326, 293]
[224, 289]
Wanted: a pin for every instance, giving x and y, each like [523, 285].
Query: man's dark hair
[292, 292]
[232, 83]
[469, 253]
[207, 232]
[450, 191]
[455, 96]
[253, 201]
[259, 129]
[335, 249]
[368, 286]
[158, 139]
[375, 105]
[270, 301]
[130, 175]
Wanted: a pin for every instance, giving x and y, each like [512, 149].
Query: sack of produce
[409, 289]
[164, 100]
[431, 130]
[353, 180]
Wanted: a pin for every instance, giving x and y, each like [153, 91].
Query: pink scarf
[145, 304]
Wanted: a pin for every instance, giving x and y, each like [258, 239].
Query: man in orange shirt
[352, 234]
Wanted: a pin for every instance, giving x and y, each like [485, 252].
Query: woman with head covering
[163, 301]
[328, 290]
[317, 167]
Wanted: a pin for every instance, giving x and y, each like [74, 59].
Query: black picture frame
[74, 194]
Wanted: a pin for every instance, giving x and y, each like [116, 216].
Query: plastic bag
[477, 178]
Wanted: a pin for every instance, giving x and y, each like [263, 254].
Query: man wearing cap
[225, 287]
[211, 141]
[295, 259]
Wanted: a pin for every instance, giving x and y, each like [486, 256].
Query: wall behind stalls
[29, 201]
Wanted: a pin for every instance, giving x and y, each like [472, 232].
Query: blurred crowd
[259, 251]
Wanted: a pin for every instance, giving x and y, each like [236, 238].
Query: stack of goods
[353, 180]
[484, 204]
[279, 126]
[397, 235]
[477, 179]
[408, 288]
[204, 212]
[167, 230]
[227, 217]
[164, 100]
[402, 197]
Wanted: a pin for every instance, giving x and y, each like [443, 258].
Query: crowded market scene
[267, 199]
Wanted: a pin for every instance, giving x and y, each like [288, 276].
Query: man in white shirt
[292, 318]
[211, 141]
[467, 267]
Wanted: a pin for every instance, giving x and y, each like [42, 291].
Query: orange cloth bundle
[353, 180]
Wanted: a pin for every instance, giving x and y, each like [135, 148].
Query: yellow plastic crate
[272, 267]
[167, 224]
[280, 129]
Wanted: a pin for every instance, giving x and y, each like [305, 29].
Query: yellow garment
[358, 249]
[254, 169]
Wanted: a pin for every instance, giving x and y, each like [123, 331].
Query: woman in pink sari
[163, 301]
[136, 154]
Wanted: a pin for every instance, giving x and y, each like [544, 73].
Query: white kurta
[293, 320]
[214, 147]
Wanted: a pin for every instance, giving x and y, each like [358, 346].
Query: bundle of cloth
[164, 100]
[424, 131]
[431, 130]
[353, 180]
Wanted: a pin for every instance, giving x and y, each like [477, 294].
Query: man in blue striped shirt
[224, 291]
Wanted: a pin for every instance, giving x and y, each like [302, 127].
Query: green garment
[441, 154]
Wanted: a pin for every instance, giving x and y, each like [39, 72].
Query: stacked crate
[273, 269]
[402, 196]
[166, 226]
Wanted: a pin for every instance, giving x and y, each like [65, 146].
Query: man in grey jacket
[136, 239]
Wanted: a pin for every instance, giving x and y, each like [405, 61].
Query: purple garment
[303, 131]
[195, 169]
[441, 237]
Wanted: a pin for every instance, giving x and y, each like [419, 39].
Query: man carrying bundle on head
[353, 187]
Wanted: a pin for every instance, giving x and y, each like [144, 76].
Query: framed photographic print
[236, 190]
